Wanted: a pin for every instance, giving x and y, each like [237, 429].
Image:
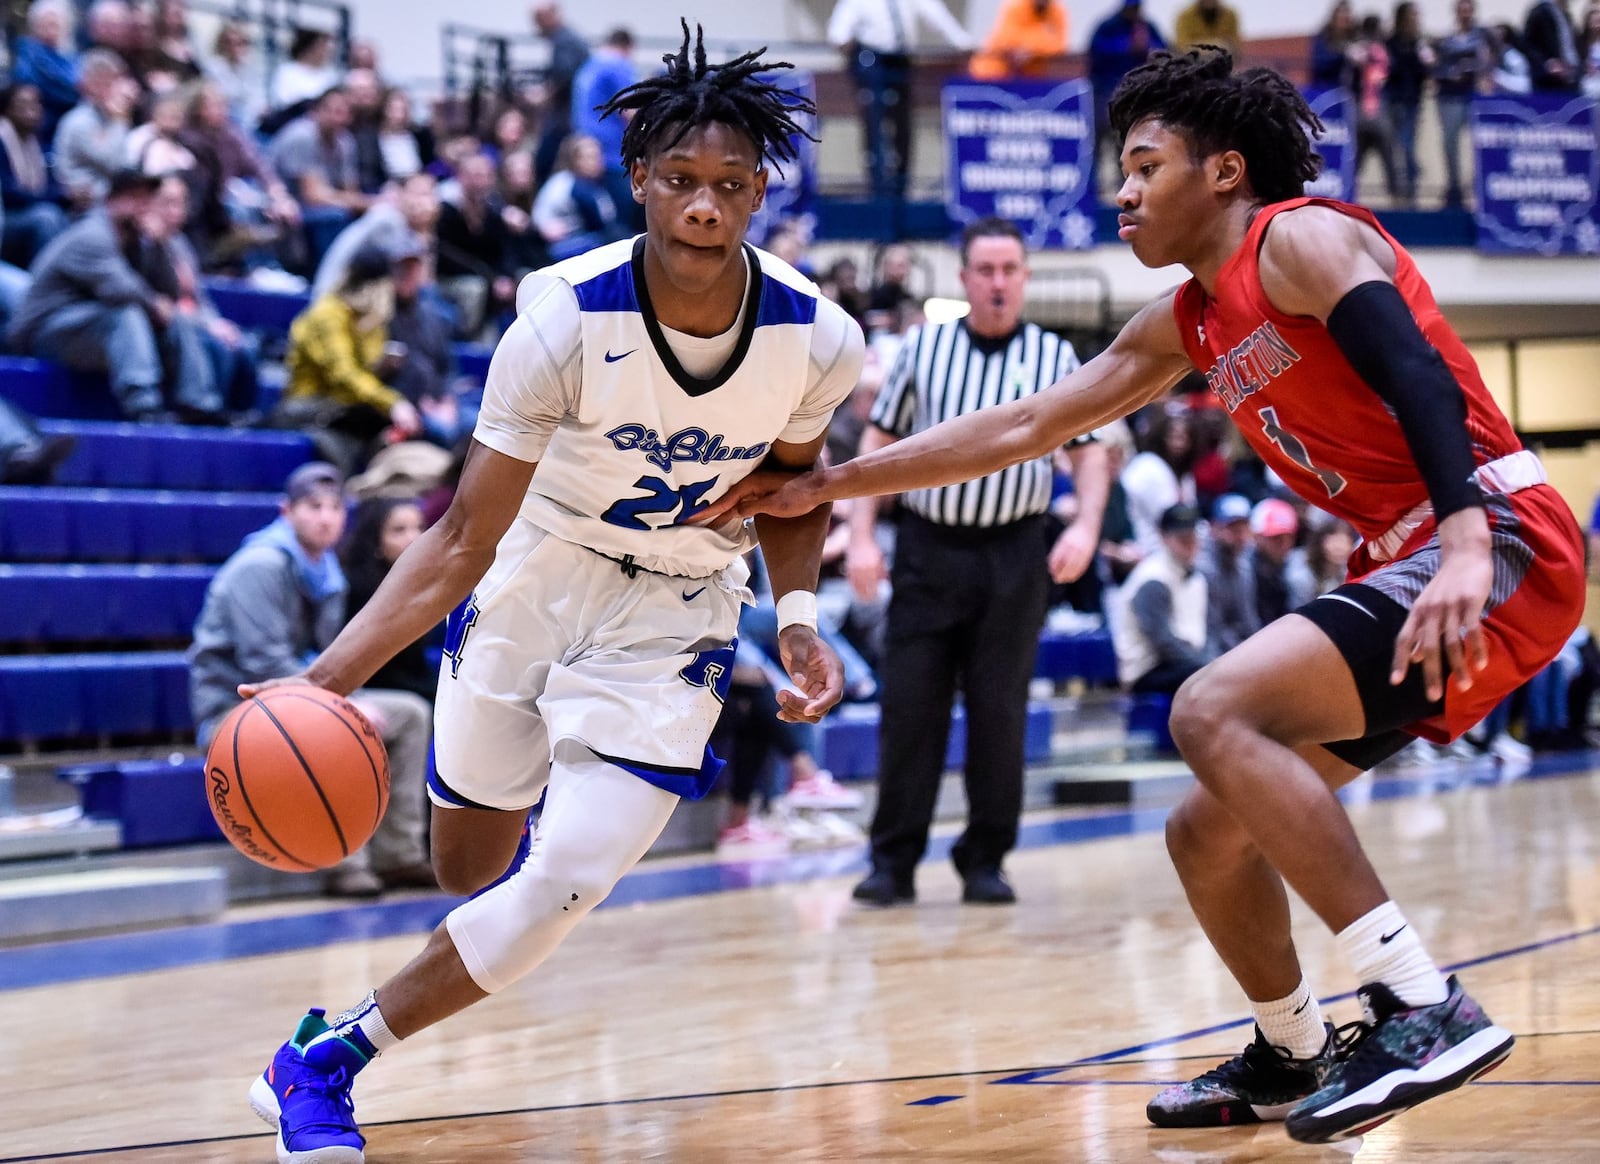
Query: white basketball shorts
[558, 643]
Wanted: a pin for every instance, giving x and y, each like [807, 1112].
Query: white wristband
[797, 606]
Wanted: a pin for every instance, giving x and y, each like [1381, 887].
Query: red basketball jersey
[1301, 405]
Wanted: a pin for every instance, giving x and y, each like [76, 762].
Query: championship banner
[1538, 170]
[1337, 110]
[1023, 152]
[792, 192]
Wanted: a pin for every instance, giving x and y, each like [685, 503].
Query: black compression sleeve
[1375, 330]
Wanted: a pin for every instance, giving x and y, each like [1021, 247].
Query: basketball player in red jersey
[1319, 336]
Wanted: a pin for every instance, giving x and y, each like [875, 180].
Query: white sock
[1293, 1023]
[362, 1025]
[1381, 947]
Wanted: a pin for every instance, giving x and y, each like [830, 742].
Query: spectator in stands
[508, 134]
[1550, 38]
[1121, 41]
[1226, 561]
[1589, 50]
[277, 602]
[475, 261]
[876, 38]
[573, 212]
[108, 25]
[239, 201]
[28, 456]
[1331, 65]
[309, 72]
[91, 141]
[98, 304]
[427, 361]
[45, 60]
[339, 361]
[1370, 71]
[398, 223]
[1028, 39]
[1463, 68]
[363, 54]
[156, 146]
[1320, 565]
[1158, 617]
[14, 284]
[1512, 71]
[405, 149]
[1274, 524]
[1119, 552]
[568, 52]
[892, 288]
[33, 201]
[365, 94]
[1208, 22]
[234, 69]
[841, 283]
[517, 199]
[315, 156]
[232, 354]
[1411, 61]
[1163, 474]
[790, 241]
[384, 528]
[608, 71]
[172, 60]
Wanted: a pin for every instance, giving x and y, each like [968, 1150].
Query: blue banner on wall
[1538, 172]
[1023, 152]
[792, 194]
[1337, 109]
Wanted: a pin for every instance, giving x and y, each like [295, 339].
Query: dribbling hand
[251, 690]
[815, 669]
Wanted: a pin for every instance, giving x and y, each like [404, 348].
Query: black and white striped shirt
[945, 371]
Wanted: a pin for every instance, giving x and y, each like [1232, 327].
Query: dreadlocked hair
[692, 93]
[1257, 112]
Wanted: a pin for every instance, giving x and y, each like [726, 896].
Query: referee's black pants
[965, 613]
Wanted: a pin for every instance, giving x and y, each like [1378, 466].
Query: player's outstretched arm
[1142, 363]
[792, 548]
[430, 579]
[1319, 262]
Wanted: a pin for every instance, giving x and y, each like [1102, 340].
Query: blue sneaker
[307, 1099]
[1403, 1056]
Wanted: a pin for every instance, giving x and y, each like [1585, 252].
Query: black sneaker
[1404, 1055]
[987, 887]
[1261, 1083]
[883, 887]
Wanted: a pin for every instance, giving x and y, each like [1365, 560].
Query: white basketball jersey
[629, 444]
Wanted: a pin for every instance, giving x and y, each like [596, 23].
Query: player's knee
[1200, 835]
[1198, 713]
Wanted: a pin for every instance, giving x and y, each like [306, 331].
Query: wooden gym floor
[720, 1014]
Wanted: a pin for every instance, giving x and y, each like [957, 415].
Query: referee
[973, 565]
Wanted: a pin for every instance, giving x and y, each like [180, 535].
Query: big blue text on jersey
[694, 445]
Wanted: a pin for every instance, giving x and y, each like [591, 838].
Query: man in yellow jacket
[1028, 37]
[339, 352]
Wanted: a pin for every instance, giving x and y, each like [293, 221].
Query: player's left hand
[1448, 614]
[1072, 553]
[816, 670]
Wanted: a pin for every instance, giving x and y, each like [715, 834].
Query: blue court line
[79, 959]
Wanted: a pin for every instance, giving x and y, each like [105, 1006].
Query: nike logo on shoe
[610, 359]
[1385, 939]
[688, 597]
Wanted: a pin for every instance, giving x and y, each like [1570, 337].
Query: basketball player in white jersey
[638, 383]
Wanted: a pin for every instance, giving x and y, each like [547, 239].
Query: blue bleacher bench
[45, 389]
[55, 524]
[1148, 715]
[158, 802]
[1086, 655]
[50, 698]
[69, 604]
[145, 456]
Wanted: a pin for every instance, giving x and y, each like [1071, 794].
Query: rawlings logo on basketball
[240, 834]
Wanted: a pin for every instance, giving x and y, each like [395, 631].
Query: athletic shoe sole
[265, 1104]
[1384, 1098]
[1222, 1115]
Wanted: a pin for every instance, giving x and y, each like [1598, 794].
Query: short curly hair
[1257, 112]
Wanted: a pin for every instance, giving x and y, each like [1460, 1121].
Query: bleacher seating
[145, 456]
[57, 524]
[88, 697]
[82, 604]
[1085, 655]
[157, 802]
[45, 389]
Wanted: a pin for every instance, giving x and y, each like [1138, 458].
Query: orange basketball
[297, 778]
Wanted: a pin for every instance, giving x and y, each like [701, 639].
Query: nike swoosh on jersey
[687, 597]
[610, 359]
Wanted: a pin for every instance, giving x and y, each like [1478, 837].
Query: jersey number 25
[662, 498]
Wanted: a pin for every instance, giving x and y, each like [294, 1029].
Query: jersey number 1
[1296, 452]
[661, 498]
